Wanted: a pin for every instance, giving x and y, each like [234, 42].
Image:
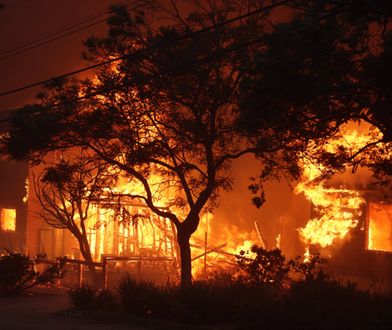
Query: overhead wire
[147, 78]
[62, 32]
[150, 48]
[50, 33]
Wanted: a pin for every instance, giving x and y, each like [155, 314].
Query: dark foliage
[17, 273]
[86, 297]
[318, 303]
[224, 96]
[312, 301]
[144, 298]
[83, 297]
[268, 267]
[105, 299]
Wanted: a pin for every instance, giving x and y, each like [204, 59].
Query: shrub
[326, 301]
[17, 273]
[83, 297]
[268, 267]
[312, 269]
[86, 297]
[105, 299]
[144, 298]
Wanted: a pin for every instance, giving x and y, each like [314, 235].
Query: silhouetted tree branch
[67, 191]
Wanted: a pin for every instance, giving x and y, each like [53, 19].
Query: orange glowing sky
[21, 20]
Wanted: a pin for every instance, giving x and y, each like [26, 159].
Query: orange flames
[338, 212]
[379, 227]
[337, 209]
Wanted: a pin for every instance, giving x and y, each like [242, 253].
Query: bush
[222, 300]
[86, 297]
[206, 302]
[145, 299]
[268, 267]
[83, 297]
[105, 299]
[17, 273]
[315, 302]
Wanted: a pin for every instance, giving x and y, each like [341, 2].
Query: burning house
[12, 207]
[100, 228]
[350, 219]
[344, 218]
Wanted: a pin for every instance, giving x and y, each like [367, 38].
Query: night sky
[24, 20]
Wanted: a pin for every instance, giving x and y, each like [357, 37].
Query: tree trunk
[183, 237]
[86, 253]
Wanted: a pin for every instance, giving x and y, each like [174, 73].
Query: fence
[103, 265]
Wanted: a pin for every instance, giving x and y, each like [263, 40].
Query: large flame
[337, 210]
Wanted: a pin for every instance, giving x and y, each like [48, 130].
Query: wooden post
[165, 233]
[261, 238]
[105, 273]
[205, 248]
[205, 256]
[58, 279]
[139, 269]
[80, 274]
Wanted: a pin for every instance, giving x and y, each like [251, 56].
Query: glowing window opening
[379, 233]
[8, 219]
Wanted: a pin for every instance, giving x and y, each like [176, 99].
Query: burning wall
[379, 224]
[12, 207]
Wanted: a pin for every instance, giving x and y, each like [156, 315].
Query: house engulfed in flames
[351, 221]
[121, 230]
[128, 230]
[351, 218]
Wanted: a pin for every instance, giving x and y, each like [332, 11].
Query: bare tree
[66, 192]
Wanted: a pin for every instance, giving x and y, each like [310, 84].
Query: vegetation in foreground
[18, 273]
[267, 291]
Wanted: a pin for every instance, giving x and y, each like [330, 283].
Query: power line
[59, 34]
[57, 30]
[147, 49]
[23, 50]
[145, 79]
[50, 33]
